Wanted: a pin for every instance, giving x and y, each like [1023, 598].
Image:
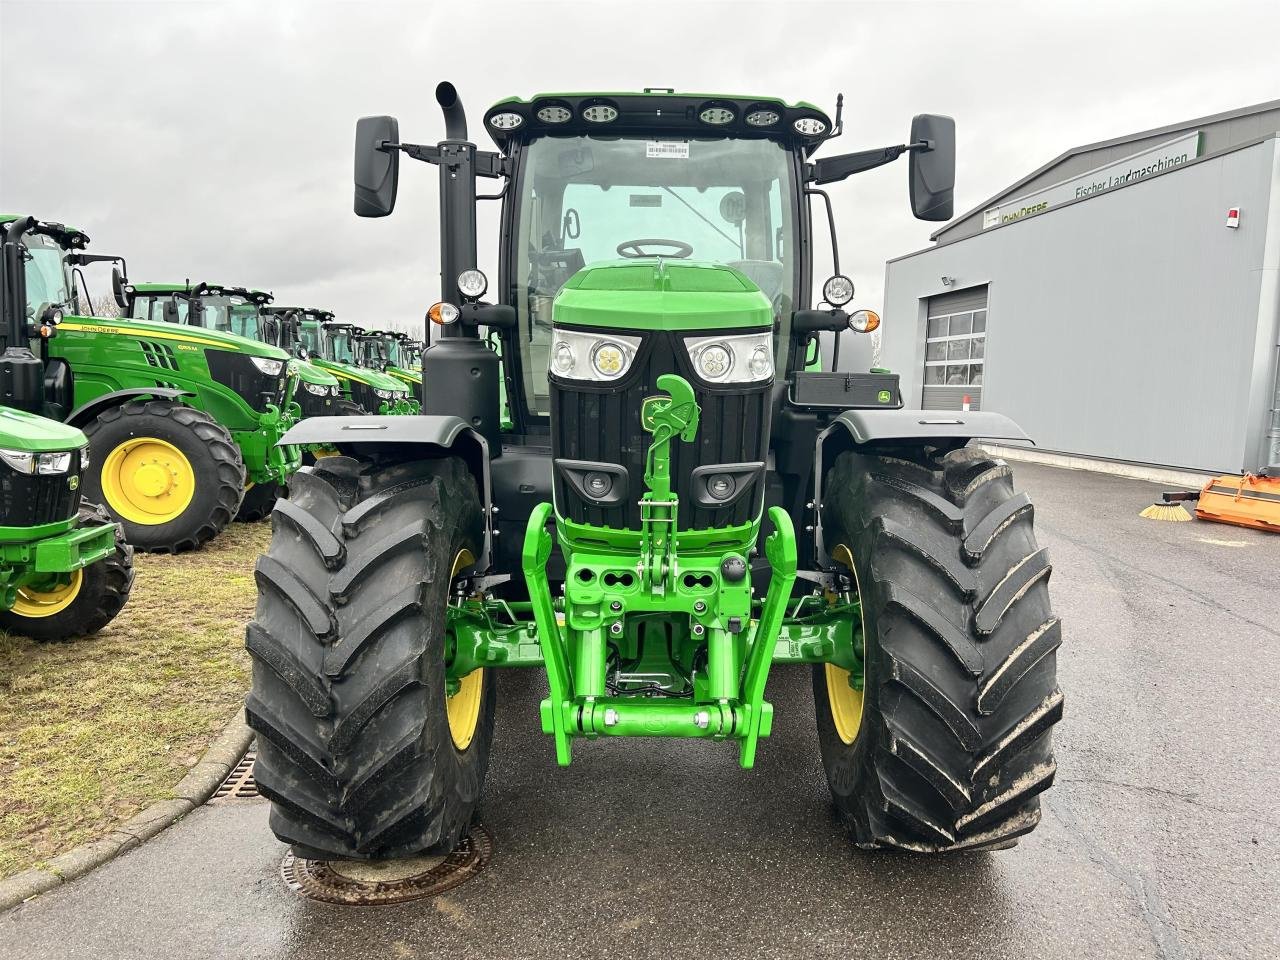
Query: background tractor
[677, 506]
[180, 422]
[327, 344]
[384, 350]
[65, 569]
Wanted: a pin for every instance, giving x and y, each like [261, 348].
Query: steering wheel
[633, 249]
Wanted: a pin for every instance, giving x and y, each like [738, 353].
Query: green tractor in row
[677, 506]
[385, 350]
[65, 569]
[314, 335]
[181, 423]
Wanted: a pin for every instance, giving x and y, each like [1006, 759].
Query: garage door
[955, 350]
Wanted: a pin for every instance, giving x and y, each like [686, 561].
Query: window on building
[955, 350]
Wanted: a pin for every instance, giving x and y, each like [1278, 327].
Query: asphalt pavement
[1159, 838]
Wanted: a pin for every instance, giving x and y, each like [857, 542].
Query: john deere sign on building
[1158, 159]
[1120, 302]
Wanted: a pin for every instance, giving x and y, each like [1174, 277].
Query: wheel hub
[148, 481]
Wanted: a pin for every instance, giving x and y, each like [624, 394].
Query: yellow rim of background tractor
[34, 604]
[148, 481]
[846, 702]
[464, 706]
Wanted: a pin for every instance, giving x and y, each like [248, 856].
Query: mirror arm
[487, 163]
[831, 222]
[834, 169]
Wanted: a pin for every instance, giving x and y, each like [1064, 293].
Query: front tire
[171, 475]
[360, 750]
[86, 603]
[948, 745]
[258, 502]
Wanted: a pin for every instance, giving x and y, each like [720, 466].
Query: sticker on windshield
[669, 149]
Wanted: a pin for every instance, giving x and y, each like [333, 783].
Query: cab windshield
[586, 199]
[340, 346]
[227, 314]
[46, 278]
[312, 339]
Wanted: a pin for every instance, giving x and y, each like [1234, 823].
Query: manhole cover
[368, 882]
[239, 784]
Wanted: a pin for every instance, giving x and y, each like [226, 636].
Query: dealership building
[1122, 302]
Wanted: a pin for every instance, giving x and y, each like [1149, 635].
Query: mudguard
[867, 426]
[87, 411]
[414, 436]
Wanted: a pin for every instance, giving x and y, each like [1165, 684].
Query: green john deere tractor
[180, 422]
[65, 569]
[316, 392]
[678, 506]
[328, 344]
[384, 350]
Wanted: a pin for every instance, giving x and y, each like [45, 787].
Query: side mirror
[171, 311]
[377, 170]
[271, 331]
[118, 283]
[933, 169]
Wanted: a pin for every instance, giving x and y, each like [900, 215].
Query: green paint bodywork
[661, 294]
[43, 555]
[121, 353]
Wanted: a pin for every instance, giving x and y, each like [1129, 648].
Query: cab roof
[658, 111]
[66, 236]
[260, 297]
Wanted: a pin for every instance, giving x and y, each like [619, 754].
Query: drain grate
[239, 784]
[371, 882]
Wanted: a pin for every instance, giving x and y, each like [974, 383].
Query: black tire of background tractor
[258, 502]
[960, 687]
[214, 457]
[348, 644]
[104, 590]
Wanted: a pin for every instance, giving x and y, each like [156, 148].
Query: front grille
[28, 500]
[241, 374]
[363, 394]
[601, 423]
[312, 405]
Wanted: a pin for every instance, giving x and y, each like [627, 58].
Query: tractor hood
[345, 371]
[170, 332]
[308, 372]
[20, 430]
[661, 294]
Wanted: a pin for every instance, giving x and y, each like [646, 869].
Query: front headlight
[45, 464]
[268, 366]
[382, 394]
[746, 358]
[579, 355]
[319, 389]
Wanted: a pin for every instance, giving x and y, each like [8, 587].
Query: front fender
[88, 411]
[406, 437]
[868, 426]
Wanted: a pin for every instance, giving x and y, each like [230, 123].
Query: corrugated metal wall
[1129, 326]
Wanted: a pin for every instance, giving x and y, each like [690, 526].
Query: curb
[192, 790]
[1168, 476]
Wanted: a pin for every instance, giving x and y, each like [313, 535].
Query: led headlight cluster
[321, 390]
[45, 464]
[578, 355]
[382, 394]
[268, 366]
[746, 358]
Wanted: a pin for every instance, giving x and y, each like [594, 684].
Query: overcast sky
[213, 140]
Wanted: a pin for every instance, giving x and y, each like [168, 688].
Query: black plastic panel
[845, 391]
[601, 423]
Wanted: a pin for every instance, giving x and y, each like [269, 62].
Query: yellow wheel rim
[846, 702]
[35, 604]
[464, 706]
[148, 481]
